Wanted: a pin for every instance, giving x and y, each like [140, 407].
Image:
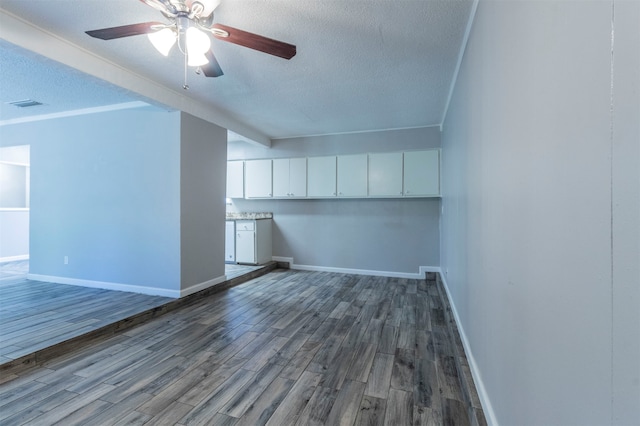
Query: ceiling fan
[189, 23]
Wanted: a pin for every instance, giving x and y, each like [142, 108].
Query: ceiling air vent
[25, 103]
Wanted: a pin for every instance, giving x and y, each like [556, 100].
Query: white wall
[14, 234]
[540, 210]
[203, 153]
[384, 236]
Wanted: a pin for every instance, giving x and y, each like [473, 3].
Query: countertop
[249, 215]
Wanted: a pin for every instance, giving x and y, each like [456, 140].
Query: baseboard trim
[475, 371]
[203, 285]
[420, 275]
[151, 291]
[14, 258]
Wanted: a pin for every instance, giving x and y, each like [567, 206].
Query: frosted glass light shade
[197, 42]
[163, 40]
[197, 59]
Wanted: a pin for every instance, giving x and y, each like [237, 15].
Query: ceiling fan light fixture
[198, 43]
[197, 60]
[163, 40]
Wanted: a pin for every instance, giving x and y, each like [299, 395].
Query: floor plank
[371, 412]
[399, 408]
[345, 409]
[380, 376]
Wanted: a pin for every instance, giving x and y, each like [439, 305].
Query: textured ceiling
[59, 88]
[361, 65]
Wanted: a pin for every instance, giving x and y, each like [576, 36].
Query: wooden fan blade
[212, 69]
[256, 42]
[124, 31]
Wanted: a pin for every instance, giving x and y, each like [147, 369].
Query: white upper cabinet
[258, 179]
[281, 177]
[321, 176]
[385, 174]
[422, 173]
[235, 179]
[298, 177]
[352, 175]
[375, 175]
[290, 177]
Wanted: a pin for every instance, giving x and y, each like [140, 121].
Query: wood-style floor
[36, 315]
[290, 347]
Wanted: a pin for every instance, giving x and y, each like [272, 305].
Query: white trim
[424, 269]
[82, 111]
[288, 260]
[463, 47]
[14, 258]
[355, 132]
[151, 291]
[475, 371]
[206, 284]
[14, 163]
[391, 274]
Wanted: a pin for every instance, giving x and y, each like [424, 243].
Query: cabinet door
[321, 176]
[281, 177]
[257, 175]
[352, 175]
[298, 177]
[385, 174]
[422, 173]
[235, 179]
[245, 247]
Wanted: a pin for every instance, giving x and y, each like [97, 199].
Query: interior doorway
[15, 183]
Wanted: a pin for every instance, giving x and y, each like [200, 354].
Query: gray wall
[541, 227]
[203, 152]
[105, 191]
[376, 235]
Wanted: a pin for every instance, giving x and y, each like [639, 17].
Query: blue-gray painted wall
[105, 191]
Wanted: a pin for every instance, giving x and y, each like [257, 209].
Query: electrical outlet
[66, 260]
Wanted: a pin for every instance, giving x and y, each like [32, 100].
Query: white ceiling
[362, 65]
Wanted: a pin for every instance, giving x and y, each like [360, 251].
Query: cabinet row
[394, 174]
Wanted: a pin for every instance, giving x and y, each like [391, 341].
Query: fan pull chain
[185, 86]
